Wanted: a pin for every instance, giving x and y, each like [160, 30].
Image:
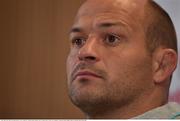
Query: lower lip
[86, 76]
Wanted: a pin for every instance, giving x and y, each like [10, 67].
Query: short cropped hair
[159, 30]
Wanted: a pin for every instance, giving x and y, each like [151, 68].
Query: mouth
[86, 74]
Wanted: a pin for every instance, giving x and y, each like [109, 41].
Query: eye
[112, 39]
[79, 42]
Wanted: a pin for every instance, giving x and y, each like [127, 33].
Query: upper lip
[88, 73]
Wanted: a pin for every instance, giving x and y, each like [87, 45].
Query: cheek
[70, 62]
[128, 77]
[127, 69]
[116, 69]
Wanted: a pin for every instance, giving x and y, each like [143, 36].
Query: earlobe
[164, 63]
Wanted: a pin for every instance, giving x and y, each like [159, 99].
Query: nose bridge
[89, 51]
[90, 46]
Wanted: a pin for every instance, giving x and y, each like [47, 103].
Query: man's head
[121, 58]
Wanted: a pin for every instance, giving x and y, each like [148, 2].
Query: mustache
[82, 66]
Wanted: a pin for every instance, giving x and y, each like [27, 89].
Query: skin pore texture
[111, 73]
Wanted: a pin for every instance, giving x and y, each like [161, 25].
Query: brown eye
[78, 42]
[112, 40]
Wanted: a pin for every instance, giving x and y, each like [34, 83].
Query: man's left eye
[112, 39]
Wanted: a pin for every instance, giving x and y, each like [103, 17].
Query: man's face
[108, 64]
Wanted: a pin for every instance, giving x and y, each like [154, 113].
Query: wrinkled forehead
[127, 12]
[92, 7]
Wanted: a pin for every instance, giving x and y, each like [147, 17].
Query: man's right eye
[78, 42]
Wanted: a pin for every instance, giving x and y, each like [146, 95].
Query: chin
[92, 102]
[87, 101]
[85, 94]
[85, 88]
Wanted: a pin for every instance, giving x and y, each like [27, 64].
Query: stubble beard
[100, 100]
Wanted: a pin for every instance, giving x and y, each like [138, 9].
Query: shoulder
[170, 110]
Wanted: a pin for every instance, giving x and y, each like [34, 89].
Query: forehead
[91, 6]
[95, 11]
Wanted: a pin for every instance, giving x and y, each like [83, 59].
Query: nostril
[87, 58]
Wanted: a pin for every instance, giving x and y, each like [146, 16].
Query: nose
[89, 52]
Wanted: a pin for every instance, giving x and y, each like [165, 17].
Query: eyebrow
[75, 30]
[106, 25]
[100, 25]
[111, 24]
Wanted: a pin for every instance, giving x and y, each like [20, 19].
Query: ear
[164, 63]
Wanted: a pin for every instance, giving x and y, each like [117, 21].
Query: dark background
[33, 50]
